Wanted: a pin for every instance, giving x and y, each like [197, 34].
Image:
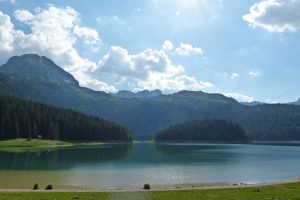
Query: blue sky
[245, 49]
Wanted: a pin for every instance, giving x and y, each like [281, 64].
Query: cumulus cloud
[167, 46]
[141, 65]
[187, 50]
[54, 33]
[90, 35]
[254, 73]
[275, 15]
[234, 75]
[6, 33]
[149, 69]
[240, 97]
[87, 80]
[24, 15]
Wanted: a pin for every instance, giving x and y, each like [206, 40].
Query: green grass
[21, 144]
[286, 191]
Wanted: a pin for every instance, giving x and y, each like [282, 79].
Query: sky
[248, 50]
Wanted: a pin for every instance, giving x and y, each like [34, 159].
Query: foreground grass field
[286, 191]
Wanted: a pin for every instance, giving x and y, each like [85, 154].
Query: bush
[147, 186]
[49, 187]
[35, 186]
[257, 190]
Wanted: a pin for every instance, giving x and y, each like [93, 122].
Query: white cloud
[6, 33]
[172, 84]
[23, 15]
[90, 35]
[234, 75]
[141, 65]
[187, 50]
[54, 33]
[93, 83]
[254, 73]
[240, 97]
[275, 15]
[167, 46]
[149, 69]
[178, 13]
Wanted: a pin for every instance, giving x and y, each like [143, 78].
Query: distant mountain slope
[296, 102]
[144, 116]
[253, 103]
[145, 94]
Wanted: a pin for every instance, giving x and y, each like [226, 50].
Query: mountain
[253, 103]
[40, 68]
[145, 94]
[296, 102]
[143, 116]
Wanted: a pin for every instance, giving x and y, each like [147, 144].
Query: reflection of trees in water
[122, 154]
[64, 158]
[197, 152]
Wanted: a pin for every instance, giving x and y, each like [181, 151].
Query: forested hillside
[28, 119]
[215, 130]
[144, 116]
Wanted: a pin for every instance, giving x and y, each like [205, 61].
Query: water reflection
[198, 153]
[64, 158]
[130, 166]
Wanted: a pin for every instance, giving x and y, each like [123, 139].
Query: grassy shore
[21, 144]
[270, 192]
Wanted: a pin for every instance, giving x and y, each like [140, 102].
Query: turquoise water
[130, 166]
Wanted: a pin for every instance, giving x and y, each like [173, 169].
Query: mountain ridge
[296, 102]
[33, 66]
[144, 94]
[145, 116]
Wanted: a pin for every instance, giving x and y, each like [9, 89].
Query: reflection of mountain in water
[65, 158]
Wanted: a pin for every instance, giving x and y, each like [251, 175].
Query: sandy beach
[177, 187]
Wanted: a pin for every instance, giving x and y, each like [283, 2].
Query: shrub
[257, 190]
[49, 187]
[35, 186]
[147, 186]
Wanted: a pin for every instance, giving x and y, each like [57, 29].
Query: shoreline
[24, 145]
[158, 188]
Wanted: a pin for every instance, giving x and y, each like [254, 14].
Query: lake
[126, 166]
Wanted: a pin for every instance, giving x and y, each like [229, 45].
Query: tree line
[29, 119]
[204, 130]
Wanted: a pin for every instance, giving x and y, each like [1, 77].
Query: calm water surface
[130, 166]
